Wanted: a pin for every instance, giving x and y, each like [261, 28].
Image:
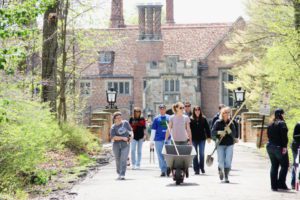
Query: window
[85, 88]
[122, 87]
[172, 85]
[153, 65]
[171, 91]
[227, 95]
[106, 57]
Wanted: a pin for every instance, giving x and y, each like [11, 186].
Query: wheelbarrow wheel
[178, 176]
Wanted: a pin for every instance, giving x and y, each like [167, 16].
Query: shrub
[80, 140]
[27, 131]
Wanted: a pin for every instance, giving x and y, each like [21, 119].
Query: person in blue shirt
[157, 138]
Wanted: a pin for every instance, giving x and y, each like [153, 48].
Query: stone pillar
[117, 19]
[157, 22]
[149, 22]
[170, 12]
[142, 22]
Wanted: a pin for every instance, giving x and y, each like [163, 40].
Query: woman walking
[138, 124]
[227, 136]
[277, 150]
[200, 133]
[120, 135]
[179, 125]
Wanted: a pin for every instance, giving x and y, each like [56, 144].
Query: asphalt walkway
[249, 180]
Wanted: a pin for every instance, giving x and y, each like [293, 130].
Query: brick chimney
[170, 12]
[149, 21]
[116, 18]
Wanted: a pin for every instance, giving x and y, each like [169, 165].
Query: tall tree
[49, 56]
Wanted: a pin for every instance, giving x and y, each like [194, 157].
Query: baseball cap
[162, 106]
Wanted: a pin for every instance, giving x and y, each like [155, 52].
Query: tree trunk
[62, 108]
[49, 56]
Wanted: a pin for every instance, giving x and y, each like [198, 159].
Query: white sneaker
[137, 167]
[134, 167]
[122, 177]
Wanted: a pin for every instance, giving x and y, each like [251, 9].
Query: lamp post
[239, 95]
[111, 96]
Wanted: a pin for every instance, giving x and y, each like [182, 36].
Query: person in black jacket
[226, 135]
[200, 132]
[295, 146]
[217, 116]
[277, 150]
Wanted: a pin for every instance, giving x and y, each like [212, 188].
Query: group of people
[186, 126]
[189, 126]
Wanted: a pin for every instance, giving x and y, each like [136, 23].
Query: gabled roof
[189, 41]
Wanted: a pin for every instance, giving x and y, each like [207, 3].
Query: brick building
[154, 63]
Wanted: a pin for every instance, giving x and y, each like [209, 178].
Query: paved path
[249, 180]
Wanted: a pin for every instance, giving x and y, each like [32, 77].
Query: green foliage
[40, 177]
[270, 45]
[27, 130]
[84, 159]
[80, 140]
[268, 55]
[17, 25]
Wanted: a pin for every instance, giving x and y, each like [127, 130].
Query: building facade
[154, 63]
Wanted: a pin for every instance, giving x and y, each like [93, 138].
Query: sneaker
[163, 174]
[202, 171]
[137, 167]
[133, 167]
[122, 177]
[197, 173]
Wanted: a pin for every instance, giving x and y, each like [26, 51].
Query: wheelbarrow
[178, 159]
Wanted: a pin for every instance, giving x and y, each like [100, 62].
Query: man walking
[157, 138]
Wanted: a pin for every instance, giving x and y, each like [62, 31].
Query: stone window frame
[171, 96]
[106, 57]
[85, 88]
[167, 85]
[124, 84]
[226, 96]
[153, 64]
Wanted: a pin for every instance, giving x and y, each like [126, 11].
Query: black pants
[278, 159]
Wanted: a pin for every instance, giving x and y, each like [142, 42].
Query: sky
[185, 11]
[193, 11]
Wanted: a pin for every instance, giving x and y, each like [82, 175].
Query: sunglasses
[181, 108]
[137, 111]
[197, 109]
[187, 106]
[162, 108]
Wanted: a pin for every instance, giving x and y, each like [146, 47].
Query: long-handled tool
[209, 158]
[172, 139]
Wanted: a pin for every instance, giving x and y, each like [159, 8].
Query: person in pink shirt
[179, 125]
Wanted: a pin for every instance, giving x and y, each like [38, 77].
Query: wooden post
[262, 130]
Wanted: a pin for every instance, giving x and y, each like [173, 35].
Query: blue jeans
[136, 149]
[121, 155]
[199, 163]
[225, 154]
[161, 160]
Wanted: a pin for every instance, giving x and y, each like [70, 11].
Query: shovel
[209, 158]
